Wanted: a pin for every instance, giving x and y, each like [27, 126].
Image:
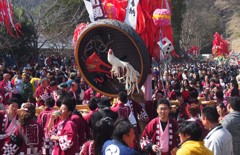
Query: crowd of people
[127, 124]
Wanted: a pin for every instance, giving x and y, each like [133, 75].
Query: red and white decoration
[80, 27]
[6, 18]
[162, 17]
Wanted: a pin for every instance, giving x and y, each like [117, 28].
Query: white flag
[89, 10]
[131, 13]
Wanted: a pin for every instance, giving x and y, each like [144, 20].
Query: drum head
[91, 54]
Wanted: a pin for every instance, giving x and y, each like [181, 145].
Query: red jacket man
[42, 92]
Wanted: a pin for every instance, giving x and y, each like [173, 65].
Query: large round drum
[91, 53]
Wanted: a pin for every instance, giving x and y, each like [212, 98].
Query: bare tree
[201, 21]
[54, 21]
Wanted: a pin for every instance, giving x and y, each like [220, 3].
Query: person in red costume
[8, 122]
[43, 120]
[42, 92]
[5, 88]
[27, 138]
[160, 135]
[90, 93]
[64, 133]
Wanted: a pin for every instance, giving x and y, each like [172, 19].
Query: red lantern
[161, 17]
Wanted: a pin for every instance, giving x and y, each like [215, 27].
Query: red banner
[6, 17]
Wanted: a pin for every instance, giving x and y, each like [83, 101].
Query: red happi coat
[44, 117]
[68, 143]
[88, 116]
[151, 109]
[43, 120]
[6, 129]
[88, 148]
[172, 95]
[122, 110]
[82, 129]
[138, 110]
[34, 133]
[42, 94]
[182, 112]
[151, 132]
[5, 91]
[87, 94]
[3, 119]
[25, 140]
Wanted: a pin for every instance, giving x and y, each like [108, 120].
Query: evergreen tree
[178, 10]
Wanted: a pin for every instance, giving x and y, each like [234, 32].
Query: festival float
[114, 52]
[220, 50]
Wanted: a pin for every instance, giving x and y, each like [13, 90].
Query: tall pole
[167, 83]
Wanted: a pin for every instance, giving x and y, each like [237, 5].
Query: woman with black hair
[234, 88]
[92, 104]
[193, 95]
[123, 139]
[185, 85]
[64, 133]
[190, 134]
[199, 87]
[82, 128]
[102, 132]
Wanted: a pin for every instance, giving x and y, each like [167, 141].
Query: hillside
[230, 13]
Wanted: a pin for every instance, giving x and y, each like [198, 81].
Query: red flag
[6, 17]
